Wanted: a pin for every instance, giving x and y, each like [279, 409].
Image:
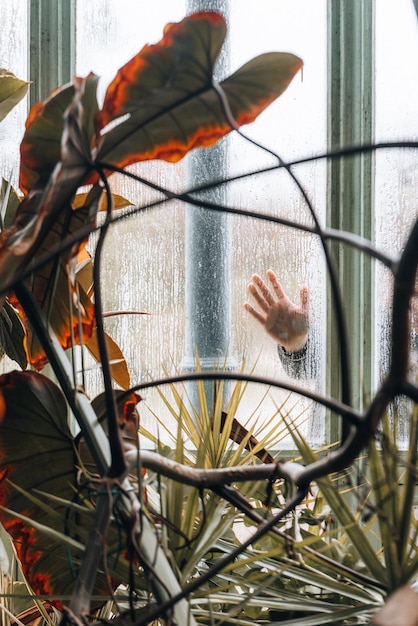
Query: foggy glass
[13, 57]
[144, 261]
[396, 207]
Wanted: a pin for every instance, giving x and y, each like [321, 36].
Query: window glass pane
[13, 57]
[396, 170]
[144, 265]
[295, 126]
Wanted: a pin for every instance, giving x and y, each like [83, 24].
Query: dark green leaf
[13, 335]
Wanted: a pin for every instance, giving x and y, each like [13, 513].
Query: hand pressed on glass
[287, 323]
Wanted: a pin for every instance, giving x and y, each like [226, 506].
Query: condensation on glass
[396, 207]
[13, 57]
[144, 264]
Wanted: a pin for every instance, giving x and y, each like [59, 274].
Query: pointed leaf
[118, 366]
[9, 203]
[12, 90]
[258, 83]
[167, 91]
[85, 271]
[119, 202]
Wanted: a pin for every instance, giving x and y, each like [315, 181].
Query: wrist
[295, 355]
[294, 346]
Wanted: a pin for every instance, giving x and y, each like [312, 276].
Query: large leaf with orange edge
[39, 479]
[168, 93]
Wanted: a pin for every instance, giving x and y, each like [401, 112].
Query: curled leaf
[40, 149]
[66, 306]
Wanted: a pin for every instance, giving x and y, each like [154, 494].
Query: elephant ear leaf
[36, 453]
[38, 466]
[171, 102]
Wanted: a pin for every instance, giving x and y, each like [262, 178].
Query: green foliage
[367, 554]
[162, 104]
[323, 561]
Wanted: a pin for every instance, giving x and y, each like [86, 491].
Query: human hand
[286, 322]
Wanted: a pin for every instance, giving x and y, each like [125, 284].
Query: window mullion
[350, 183]
[52, 46]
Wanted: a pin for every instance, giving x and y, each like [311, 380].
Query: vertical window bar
[208, 250]
[350, 183]
[52, 46]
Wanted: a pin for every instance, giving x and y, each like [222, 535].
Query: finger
[278, 289]
[254, 313]
[304, 299]
[258, 297]
[263, 288]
